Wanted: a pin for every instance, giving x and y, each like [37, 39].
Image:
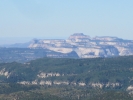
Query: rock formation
[87, 47]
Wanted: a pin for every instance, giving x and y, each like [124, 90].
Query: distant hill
[26, 54]
[77, 45]
[87, 47]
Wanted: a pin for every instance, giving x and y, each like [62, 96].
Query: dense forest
[68, 79]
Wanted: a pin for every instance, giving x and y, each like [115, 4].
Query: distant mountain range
[87, 47]
[79, 45]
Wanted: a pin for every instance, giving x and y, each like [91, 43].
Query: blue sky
[61, 18]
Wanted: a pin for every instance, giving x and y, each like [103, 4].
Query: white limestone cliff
[87, 47]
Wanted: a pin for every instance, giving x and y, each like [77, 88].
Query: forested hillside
[62, 78]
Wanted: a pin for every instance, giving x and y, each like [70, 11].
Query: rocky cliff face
[87, 47]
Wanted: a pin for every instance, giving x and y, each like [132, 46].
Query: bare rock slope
[87, 47]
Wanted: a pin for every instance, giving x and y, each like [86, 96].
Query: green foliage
[63, 93]
[112, 95]
[102, 70]
[6, 88]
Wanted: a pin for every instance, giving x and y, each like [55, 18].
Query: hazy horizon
[61, 18]
[13, 40]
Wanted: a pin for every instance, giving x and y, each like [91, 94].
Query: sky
[21, 20]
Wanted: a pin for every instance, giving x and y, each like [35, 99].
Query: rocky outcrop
[82, 84]
[5, 73]
[86, 47]
[44, 75]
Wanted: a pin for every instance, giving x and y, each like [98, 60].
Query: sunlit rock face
[78, 36]
[86, 47]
